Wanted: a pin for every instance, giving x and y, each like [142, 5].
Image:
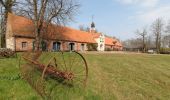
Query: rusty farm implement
[45, 71]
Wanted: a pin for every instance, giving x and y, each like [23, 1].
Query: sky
[120, 18]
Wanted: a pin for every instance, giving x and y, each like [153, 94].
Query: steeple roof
[92, 25]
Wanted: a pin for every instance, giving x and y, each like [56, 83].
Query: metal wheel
[72, 67]
[48, 72]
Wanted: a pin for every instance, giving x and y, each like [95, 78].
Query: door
[71, 46]
[82, 47]
[43, 46]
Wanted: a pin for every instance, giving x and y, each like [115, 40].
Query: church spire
[92, 26]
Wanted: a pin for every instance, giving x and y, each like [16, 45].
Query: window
[24, 45]
[42, 46]
[101, 40]
[82, 47]
[56, 46]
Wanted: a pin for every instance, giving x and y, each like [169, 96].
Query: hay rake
[44, 71]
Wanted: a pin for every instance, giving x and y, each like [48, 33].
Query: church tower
[92, 28]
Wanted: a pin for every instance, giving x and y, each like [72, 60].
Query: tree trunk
[8, 9]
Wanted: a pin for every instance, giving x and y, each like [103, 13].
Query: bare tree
[166, 41]
[133, 44]
[150, 42]
[167, 28]
[84, 28]
[157, 29]
[6, 7]
[166, 38]
[143, 34]
[45, 12]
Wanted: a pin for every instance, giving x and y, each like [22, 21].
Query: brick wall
[29, 45]
[19, 41]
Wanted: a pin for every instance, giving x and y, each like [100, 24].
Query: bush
[5, 52]
[92, 47]
[165, 51]
[108, 49]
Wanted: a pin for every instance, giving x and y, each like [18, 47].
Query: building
[20, 37]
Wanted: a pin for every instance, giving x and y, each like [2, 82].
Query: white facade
[10, 43]
[100, 43]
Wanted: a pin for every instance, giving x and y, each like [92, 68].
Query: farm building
[20, 37]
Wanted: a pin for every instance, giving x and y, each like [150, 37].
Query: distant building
[20, 37]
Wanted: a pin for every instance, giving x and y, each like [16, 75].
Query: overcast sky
[121, 18]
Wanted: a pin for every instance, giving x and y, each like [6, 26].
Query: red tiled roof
[96, 35]
[110, 41]
[22, 26]
[118, 44]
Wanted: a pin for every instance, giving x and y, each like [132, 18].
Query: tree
[6, 7]
[167, 28]
[166, 41]
[133, 44]
[143, 34]
[150, 42]
[157, 29]
[84, 28]
[166, 38]
[45, 12]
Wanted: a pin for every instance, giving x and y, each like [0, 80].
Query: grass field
[111, 77]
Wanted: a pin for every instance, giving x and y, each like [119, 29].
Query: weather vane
[92, 18]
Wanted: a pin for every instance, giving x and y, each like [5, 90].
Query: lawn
[111, 77]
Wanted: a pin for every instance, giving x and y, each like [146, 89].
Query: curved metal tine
[52, 89]
[49, 63]
[64, 61]
[59, 61]
[75, 59]
[39, 87]
[80, 60]
[36, 55]
[80, 73]
[85, 65]
[80, 70]
[55, 62]
[78, 81]
[70, 59]
[68, 90]
[77, 87]
[25, 54]
[78, 64]
[19, 62]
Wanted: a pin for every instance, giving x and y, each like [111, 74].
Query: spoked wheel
[61, 71]
[71, 65]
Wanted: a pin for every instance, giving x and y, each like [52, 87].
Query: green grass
[111, 77]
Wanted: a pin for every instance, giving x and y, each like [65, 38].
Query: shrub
[108, 49]
[165, 51]
[5, 52]
[92, 47]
